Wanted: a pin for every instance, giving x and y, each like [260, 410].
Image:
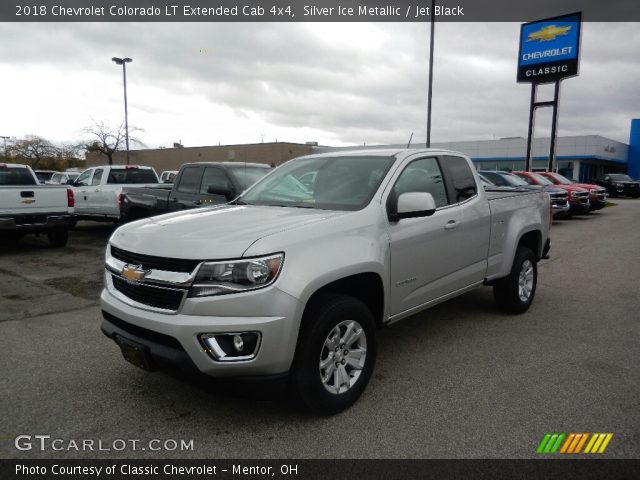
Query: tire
[325, 317]
[515, 292]
[58, 238]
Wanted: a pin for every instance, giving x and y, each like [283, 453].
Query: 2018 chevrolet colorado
[293, 281]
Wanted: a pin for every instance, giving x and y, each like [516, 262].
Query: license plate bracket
[135, 353]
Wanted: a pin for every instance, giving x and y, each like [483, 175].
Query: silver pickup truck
[28, 207]
[293, 280]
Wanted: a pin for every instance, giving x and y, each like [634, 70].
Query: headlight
[234, 276]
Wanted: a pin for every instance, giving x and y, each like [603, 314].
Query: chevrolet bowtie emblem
[28, 201]
[548, 33]
[134, 273]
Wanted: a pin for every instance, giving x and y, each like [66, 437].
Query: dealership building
[581, 157]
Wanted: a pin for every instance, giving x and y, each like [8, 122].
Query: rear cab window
[190, 179]
[16, 176]
[131, 176]
[459, 178]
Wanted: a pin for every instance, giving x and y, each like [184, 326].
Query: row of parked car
[120, 193]
[567, 197]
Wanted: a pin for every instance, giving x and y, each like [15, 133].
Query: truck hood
[588, 186]
[212, 233]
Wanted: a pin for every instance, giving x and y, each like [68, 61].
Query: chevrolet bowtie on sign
[549, 49]
[133, 273]
[548, 33]
[574, 443]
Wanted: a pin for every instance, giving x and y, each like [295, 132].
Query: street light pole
[433, 25]
[123, 62]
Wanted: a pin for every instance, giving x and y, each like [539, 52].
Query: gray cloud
[290, 75]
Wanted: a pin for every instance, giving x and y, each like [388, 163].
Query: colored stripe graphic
[598, 443]
[573, 443]
[550, 443]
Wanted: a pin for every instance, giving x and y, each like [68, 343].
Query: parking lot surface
[458, 381]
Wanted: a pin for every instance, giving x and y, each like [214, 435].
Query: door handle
[451, 224]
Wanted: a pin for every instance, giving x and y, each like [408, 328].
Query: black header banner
[311, 10]
[582, 469]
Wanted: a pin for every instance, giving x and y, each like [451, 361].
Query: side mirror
[226, 191]
[71, 182]
[414, 204]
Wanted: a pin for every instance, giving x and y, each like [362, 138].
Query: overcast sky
[338, 84]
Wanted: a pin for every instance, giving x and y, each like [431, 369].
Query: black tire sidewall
[58, 238]
[321, 318]
[506, 290]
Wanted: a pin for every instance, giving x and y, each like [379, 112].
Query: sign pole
[528, 161]
[554, 128]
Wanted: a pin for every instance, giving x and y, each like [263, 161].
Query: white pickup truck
[28, 207]
[97, 189]
[292, 280]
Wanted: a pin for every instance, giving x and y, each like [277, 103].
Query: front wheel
[335, 355]
[515, 292]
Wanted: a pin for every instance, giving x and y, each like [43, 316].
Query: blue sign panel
[549, 49]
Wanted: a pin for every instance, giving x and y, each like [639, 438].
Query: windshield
[337, 183]
[44, 176]
[561, 179]
[505, 179]
[132, 175]
[247, 176]
[620, 177]
[541, 179]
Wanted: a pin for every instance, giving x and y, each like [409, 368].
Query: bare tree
[107, 140]
[33, 150]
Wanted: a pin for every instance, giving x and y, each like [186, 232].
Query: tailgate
[33, 199]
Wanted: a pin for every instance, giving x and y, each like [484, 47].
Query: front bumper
[580, 208]
[560, 210]
[174, 339]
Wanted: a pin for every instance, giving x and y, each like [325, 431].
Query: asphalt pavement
[461, 380]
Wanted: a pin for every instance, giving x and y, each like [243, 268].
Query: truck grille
[155, 263]
[583, 197]
[167, 299]
[558, 198]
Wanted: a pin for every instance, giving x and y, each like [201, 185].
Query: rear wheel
[58, 238]
[515, 292]
[335, 355]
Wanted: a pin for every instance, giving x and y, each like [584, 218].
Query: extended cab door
[186, 191]
[429, 257]
[214, 179]
[95, 197]
[81, 189]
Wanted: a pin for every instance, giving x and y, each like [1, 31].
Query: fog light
[231, 347]
[238, 343]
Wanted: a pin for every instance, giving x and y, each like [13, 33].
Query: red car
[597, 194]
[578, 197]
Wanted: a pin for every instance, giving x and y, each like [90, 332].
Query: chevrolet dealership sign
[549, 49]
